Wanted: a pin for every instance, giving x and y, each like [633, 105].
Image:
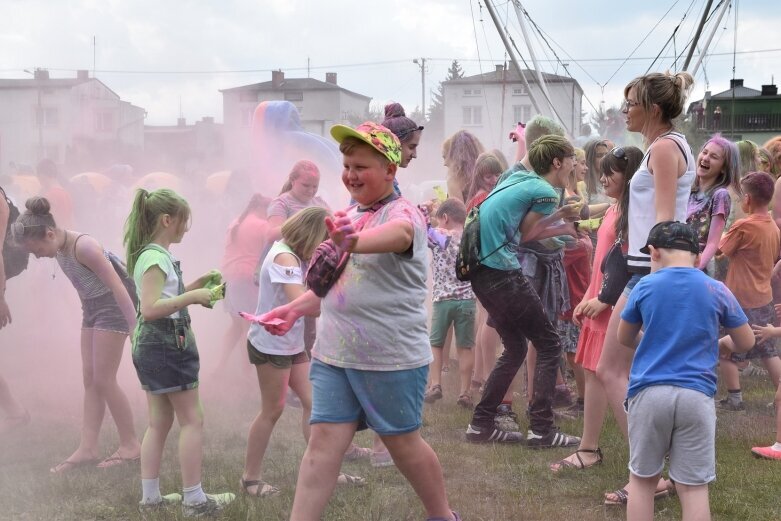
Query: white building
[489, 105]
[320, 104]
[65, 119]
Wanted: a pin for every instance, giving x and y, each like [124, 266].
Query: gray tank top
[87, 284]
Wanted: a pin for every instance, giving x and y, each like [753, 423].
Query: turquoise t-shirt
[502, 212]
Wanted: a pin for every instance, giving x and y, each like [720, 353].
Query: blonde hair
[547, 148]
[305, 230]
[144, 219]
[665, 90]
[486, 165]
[300, 168]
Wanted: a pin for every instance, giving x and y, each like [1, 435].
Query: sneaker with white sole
[381, 459]
[213, 505]
[165, 502]
[552, 439]
[492, 435]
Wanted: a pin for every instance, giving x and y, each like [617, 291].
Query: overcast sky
[144, 47]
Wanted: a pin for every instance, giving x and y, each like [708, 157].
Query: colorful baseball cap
[672, 235]
[378, 137]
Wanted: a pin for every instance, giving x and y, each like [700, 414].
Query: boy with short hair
[453, 302]
[672, 380]
[370, 359]
[522, 208]
[752, 246]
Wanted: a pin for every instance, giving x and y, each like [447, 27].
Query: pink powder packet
[256, 319]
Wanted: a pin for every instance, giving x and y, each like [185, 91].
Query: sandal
[69, 465]
[580, 465]
[623, 496]
[433, 394]
[263, 490]
[116, 459]
[465, 401]
[346, 479]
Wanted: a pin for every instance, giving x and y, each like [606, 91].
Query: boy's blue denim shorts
[388, 402]
[165, 356]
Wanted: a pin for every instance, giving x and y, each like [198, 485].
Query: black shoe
[552, 439]
[492, 435]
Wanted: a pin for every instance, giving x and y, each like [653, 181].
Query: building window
[520, 91]
[294, 95]
[473, 115]
[522, 113]
[104, 121]
[248, 95]
[46, 117]
[473, 92]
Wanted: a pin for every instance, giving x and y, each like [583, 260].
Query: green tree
[436, 111]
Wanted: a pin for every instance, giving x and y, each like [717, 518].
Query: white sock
[776, 446]
[194, 495]
[150, 490]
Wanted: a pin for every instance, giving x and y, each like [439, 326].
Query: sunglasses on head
[619, 153]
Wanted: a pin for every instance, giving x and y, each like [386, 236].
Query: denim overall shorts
[164, 351]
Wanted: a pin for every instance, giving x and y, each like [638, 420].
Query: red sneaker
[766, 452]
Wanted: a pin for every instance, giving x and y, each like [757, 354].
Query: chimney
[181, 122]
[277, 78]
[82, 74]
[769, 90]
[330, 77]
[737, 82]
[500, 68]
[41, 74]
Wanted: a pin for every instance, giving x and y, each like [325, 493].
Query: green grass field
[484, 482]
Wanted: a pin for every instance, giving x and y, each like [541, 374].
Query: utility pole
[705, 14]
[518, 13]
[422, 64]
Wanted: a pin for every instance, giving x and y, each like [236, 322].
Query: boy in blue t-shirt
[673, 376]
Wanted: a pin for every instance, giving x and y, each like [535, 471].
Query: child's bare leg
[729, 373]
[640, 506]
[613, 367]
[773, 366]
[580, 378]
[695, 505]
[420, 465]
[594, 410]
[320, 468]
[435, 373]
[466, 361]
[189, 414]
[107, 356]
[161, 417]
[446, 347]
[299, 382]
[273, 384]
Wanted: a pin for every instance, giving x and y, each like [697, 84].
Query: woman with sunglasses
[659, 192]
[592, 315]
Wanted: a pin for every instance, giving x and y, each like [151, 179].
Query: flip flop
[116, 460]
[68, 465]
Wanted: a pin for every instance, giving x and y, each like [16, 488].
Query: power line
[368, 64]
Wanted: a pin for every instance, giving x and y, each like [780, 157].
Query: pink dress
[592, 334]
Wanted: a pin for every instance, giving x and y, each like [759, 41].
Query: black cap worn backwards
[672, 235]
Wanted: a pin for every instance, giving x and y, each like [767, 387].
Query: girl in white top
[281, 361]
[659, 191]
